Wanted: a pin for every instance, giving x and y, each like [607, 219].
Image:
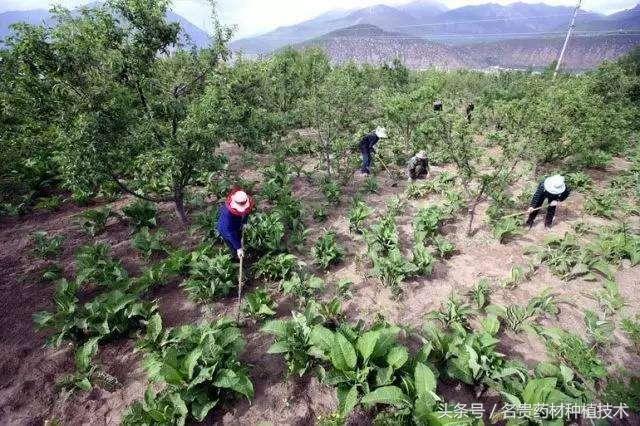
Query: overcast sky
[258, 16]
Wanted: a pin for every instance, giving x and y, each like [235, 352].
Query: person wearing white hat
[418, 166]
[555, 190]
[367, 145]
[234, 214]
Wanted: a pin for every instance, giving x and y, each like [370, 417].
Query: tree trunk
[472, 216]
[180, 208]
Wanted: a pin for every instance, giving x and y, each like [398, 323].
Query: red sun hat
[239, 203]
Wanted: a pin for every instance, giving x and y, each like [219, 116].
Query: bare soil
[29, 370]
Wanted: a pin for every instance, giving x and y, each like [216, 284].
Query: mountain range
[194, 34]
[425, 33]
[433, 21]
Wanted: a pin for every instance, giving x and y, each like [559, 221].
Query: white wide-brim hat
[381, 132]
[555, 185]
[421, 154]
[240, 201]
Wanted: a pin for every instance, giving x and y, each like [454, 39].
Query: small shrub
[265, 232]
[45, 246]
[148, 243]
[141, 213]
[259, 305]
[332, 191]
[427, 223]
[444, 248]
[94, 222]
[210, 276]
[579, 181]
[327, 251]
[95, 265]
[423, 260]
[357, 215]
[275, 267]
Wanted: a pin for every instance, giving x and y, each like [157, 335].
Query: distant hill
[430, 19]
[38, 16]
[370, 44]
[382, 16]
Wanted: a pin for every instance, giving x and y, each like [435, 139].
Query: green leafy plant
[423, 260]
[623, 390]
[480, 293]
[327, 251]
[371, 185]
[444, 248]
[265, 232]
[506, 228]
[51, 204]
[199, 365]
[107, 316]
[453, 313]
[320, 214]
[332, 191]
[275, 267]
[302, 287]
[95, 265]
[344, 288]
[259, 305]
[45, 246]
[94, 222]
[148, 243]
[570, 348]
[518, 275]
[81, 378]
[207, 222]
[579, 180]
[632, 328]
[293, 341]
[52, 273]
[141, 213]
[602, 204]
[427, 223]
[393, 269]
[164, 408]
[357, 215]
[210, 276]
[600, 331]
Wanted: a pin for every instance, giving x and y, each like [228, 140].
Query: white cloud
[258, 16]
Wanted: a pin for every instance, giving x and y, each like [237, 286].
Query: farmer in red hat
[233, 216]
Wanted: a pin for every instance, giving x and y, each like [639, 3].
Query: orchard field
[366, 299]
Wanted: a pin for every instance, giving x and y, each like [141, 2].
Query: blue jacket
[230, 227]
[368, 143]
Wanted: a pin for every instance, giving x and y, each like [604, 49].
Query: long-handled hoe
[395, 181]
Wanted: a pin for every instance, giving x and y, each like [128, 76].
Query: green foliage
[320, 214]
[523, 318]
[81, 378]
[332, 191]
[569, 348]
[265, 232]
[275, 267]
[600, 331]
[141, 214]
[357, 215]
[620, 391]
[207, 222]
[370, 185]
[199, 365]
[259, 305]
[95, 265]
[444, 248]
[45, 246]
[423, 260]
[427, 223]
[148, 243]
[293, 340]
[107, 316]
[602, 204]
[94, 222]
[50, 204]
[480, 293]
[327, 251]
[518, 275]
[210, 276]
[453, 313]
[392, 269]
[506, 228]
[302, 287]
[53, 272]
[579, 180]
[632, 328]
